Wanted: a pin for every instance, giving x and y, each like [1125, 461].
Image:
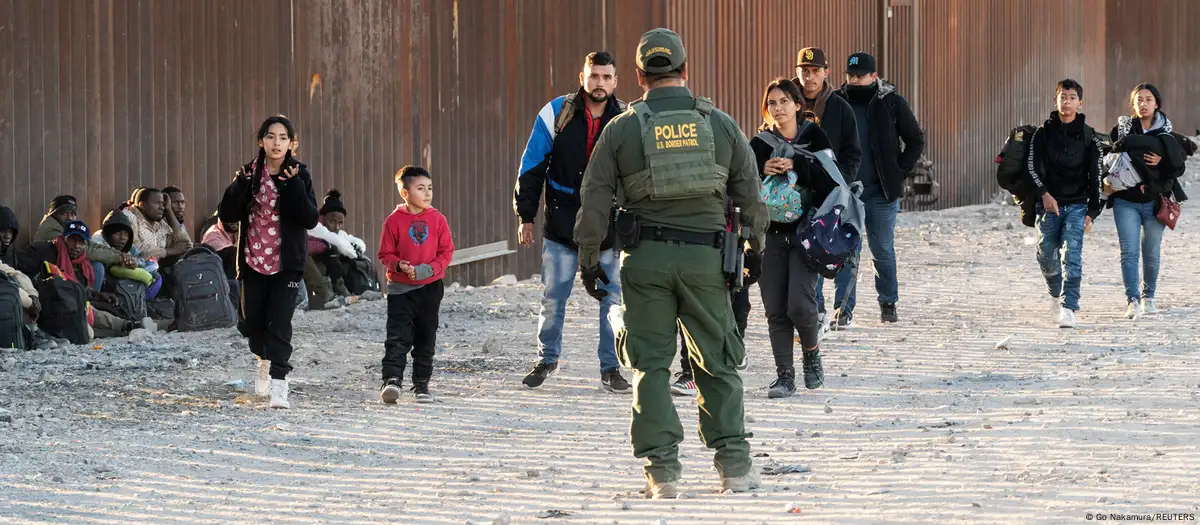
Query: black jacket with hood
[891, 121]
[297, 207]
[1065, 164]
[8, 220]
[837, 120]
[556, 162]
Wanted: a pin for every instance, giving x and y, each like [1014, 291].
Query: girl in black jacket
[271, 199]
[1134, 209]
[787, 284]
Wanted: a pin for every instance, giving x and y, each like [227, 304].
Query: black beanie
[61, 202]
[333, 202]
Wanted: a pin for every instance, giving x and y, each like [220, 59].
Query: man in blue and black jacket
[564, 133]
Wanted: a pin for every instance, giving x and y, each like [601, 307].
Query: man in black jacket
[891, 142]
[833, 113]
[1064, 165]
[564, 133]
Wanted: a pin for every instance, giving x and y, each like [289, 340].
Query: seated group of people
[139, 242]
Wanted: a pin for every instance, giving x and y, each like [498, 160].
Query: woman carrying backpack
[271, 199]
[794, 185]
[1141, 181]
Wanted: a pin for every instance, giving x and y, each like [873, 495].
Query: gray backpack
[201, 292]
[132, 298]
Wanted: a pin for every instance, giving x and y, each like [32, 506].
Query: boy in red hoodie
[416, 249]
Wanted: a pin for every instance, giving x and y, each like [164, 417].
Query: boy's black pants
[412, 325]
[741, 315]
[268, 303]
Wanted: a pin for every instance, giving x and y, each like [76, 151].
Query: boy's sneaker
[843, 320]
[1066, 318]
[814, 373]
[538, 375]
[262, 378]
[1148, 306]
[612, 381]
[390, 392]
[785, 385]
[684, 385]
[420, 391]
[887, 313]
[1133, 310]
[279, 394]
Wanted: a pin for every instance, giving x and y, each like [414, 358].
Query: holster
[629, 231]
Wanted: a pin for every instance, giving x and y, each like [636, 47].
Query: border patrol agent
[669, 161]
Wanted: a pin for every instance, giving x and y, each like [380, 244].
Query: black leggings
[268, 303]
[789, 295]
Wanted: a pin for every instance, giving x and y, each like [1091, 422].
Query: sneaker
[887, 313]
[1148, 306]
[684, 385]
[1066, 318]
[814, 373]
[420, 391]
[611, 381]
[843, 320]
[822, 328]
[750, 481]
[390, 392]
[262, 378]
[279, 394]
[371, 295]
[784, 386]
[538, 375]
[1133, 310]
[1055, 306]
[666, 489]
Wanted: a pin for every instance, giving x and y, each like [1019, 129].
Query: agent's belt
[661, 233]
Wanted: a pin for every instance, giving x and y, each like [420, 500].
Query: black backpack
[64, 309]
[1012, 172]
[360, 276]
[131, 297]
[201, 292]
[12, 315]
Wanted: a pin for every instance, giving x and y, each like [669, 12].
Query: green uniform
[665, 282]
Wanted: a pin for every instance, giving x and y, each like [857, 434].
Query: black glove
[589, 276]
[753, 263]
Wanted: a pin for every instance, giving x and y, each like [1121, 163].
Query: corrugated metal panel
[735, 48]
[99, 97]
[1154, 42]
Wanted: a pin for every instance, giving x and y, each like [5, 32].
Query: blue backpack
[832, 239]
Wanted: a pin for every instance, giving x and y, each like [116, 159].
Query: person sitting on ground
[222, 238]
[117, 233]
[29, 298]
[9, 228]
[331, 251]
[155, 232]
[62, 210]
[176, 203]
[66, 257]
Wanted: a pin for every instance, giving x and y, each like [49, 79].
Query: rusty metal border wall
[99, 97]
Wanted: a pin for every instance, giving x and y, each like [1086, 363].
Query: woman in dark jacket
[272, 201]
[1134, 209]
[787, 284]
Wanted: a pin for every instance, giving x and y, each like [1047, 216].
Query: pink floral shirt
[264, 240]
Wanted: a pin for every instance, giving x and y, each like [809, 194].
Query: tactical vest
[680, 151]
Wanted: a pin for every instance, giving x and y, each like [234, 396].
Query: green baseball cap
[661, 42]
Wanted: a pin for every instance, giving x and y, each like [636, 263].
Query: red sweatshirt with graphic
[422, 239]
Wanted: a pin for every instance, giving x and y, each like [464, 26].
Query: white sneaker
[262, 378]
[1148, 306]
[1066, 318]
[1133, 311]
[279, 394]
[822, 327]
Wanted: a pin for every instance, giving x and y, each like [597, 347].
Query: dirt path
[925, 421]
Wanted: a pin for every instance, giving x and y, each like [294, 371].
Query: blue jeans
[881, 239]
[560, 265]
[99, 270]
[1137, 225]
[1060, 249]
